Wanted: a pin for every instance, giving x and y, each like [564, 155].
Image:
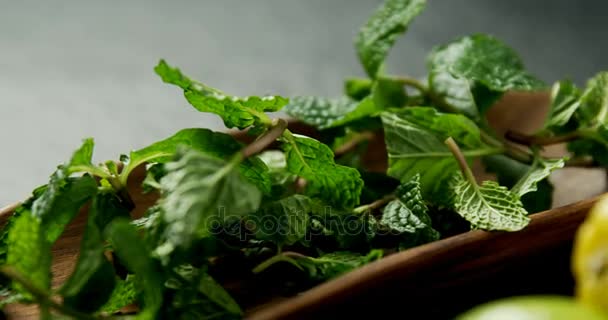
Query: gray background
[76, 69]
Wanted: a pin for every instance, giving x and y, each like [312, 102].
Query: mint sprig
[309, 208]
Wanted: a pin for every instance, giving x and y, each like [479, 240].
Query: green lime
[533, 308]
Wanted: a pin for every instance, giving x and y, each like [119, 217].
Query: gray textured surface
[74, 69]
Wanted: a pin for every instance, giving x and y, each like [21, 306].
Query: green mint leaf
[484, 59]
[283, 222]
[595, 144]
[61, 202]
[388, 93]
[593, 109]
[539, 171]
[509, 171]
[29, 251]
[133, 253]
[216, 293]
[124, 294]
[84, 155]
[455, 91]
[324, 113]
[415, 142]
[197, 191]
[408, 214]
[470, 98]
[235, 111]
[92, 282]
[358, 88]
[378, 35]
[334, 264]
[564, 103]
[216, 144]
[312, 160]
[283, 181]
[488, 206]
[196, 295]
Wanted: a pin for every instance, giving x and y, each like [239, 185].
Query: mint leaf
[593, 110]
[84, 155]
[236, 112]
[509, 171]
[29, 252]
[283, 222]
[324, 113]
[488, 206]
[415, 142]
[282, 181]
[132, 251]
[92, 282]
[540, 170]
[484, 59]
[358, 88]
[387, 93]
[196, 295]
[312, 160]
[216, 293]
[378, 35]
[470, 98]
[332, 265]
[61, 202]
[216, 144]
[564, 103]
[199, 190]
[124, 294]
[408, 214]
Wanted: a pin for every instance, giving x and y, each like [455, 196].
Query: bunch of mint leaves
[288, 211]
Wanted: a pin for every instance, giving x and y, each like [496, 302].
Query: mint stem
[429, 93]
[41, 296]
[286, 256]
[276, 130]
[374, 205]
[462, 162]
[529, 140]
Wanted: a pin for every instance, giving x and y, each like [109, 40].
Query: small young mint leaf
[408, 214]
[357, 88]
[312, 160]
[84, 155]
[387, 93]
[378, 35]
[539, 171]
[593, 109]
[199, 190]
[236, 112]
[509, 171]
[564, 103]
[215, 144]
[415, 142]
[488, 206]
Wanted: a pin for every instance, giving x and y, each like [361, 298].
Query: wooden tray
[437, 280]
